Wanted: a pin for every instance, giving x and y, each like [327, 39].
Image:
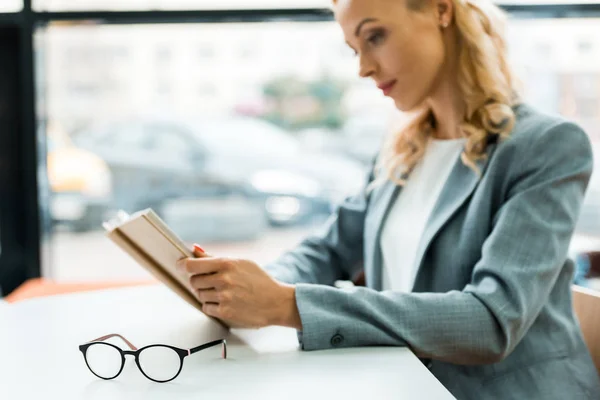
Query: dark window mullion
[521, 11]
[191, 16]
[552, 11]
[11, 19]
[19, 258]
[29, 197]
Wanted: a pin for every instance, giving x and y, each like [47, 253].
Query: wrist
[287, 314]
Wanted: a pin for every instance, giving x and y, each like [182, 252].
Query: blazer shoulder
[542, 131]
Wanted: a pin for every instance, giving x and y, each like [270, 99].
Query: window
[11, 5]
[249, 116]
[128, 137]
[246, 135]
[559, 64]
[248, 97]
[165, 138]
[235, 133]
[557, 75]
[206, 52]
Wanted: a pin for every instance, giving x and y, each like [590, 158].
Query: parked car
[79, 183]
[154, 159]
[363, 136]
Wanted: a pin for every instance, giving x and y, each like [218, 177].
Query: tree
[298, 104]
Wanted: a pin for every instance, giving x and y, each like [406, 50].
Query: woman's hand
[240, 293]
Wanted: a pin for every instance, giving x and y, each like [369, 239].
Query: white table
[39, 356]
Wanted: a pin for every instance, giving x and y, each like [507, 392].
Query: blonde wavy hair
[487, 85]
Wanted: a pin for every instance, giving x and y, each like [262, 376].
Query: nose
[366, 67]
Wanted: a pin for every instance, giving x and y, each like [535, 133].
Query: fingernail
[198, 248]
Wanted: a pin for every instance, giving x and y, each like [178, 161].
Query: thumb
[199, 251]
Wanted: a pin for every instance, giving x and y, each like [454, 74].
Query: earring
[445, 24]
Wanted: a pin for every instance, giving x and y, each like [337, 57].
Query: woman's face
[400, 49]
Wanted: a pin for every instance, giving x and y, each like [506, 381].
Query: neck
[446, 102]
[448, 110]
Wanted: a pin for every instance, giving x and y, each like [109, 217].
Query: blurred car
[154, 159]
[363, 136]
[79, 183]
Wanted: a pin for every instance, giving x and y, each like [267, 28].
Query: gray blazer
[490, 313]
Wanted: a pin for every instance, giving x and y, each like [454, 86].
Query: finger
[208, 296]
[210, 309]
[203, 282]
[222, 314]
[205, 265]
[199, 251]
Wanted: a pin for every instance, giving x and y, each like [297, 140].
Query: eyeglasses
[158, 362]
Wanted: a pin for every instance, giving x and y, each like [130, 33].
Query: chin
[405, 104]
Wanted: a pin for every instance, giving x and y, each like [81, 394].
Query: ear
[445, 12]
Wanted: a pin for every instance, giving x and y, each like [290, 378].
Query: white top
[40, 359]
[408, 217]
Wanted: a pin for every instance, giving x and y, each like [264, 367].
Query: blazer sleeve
[521, 259]
[335, 252]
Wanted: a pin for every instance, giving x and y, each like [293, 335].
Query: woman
[462, 229]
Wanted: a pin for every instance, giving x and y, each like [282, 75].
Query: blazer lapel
[458, 188]
[385, 198]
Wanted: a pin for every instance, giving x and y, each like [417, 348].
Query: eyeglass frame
[182, 353]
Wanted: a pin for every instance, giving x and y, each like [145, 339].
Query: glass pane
[205, 124]
[11, 5]
[559, 64]
[113, 5]
[242, 137]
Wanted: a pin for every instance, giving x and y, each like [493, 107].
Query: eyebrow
[364, 21]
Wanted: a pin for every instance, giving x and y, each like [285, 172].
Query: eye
[376, 38]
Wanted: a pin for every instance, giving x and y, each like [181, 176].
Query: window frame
[24, 240]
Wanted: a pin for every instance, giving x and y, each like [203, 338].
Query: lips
[386, 87]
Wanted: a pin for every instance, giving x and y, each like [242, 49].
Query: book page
[152, 242]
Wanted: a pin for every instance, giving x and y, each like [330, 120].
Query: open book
[150, 242]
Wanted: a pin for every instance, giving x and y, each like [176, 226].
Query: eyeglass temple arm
[211, 344]
[103, 338]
